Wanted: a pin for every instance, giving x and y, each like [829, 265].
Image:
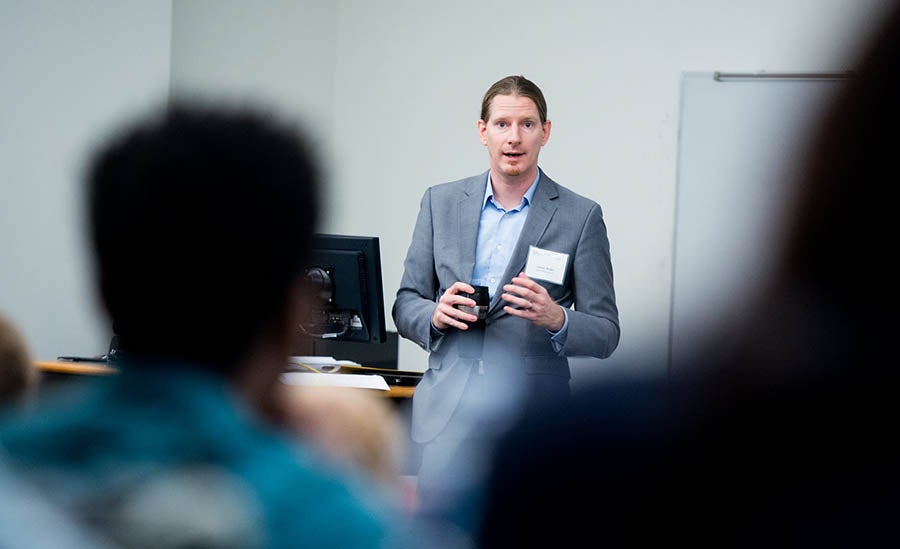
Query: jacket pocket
[436, 360]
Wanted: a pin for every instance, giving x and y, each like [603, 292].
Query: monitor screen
[347, 299]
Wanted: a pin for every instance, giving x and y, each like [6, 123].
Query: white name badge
[546, 265]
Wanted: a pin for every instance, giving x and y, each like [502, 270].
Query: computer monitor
[347, 299]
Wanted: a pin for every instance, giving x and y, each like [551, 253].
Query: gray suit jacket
[443, 252]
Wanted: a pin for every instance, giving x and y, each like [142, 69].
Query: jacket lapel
[540, 213]
[470, 205]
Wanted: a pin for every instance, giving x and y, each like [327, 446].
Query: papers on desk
[319, 363]
[325, 370]
[362, 381]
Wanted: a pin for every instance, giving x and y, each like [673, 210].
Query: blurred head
[200, 220]
[356, 427]
[18, 374]
[514, 126]
[839, 209]
[828, 301]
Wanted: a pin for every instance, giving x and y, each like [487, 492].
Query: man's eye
[501, 124]
[529, 124]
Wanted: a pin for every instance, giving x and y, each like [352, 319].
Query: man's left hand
[532, 303]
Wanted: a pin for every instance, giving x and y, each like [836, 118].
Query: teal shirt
[171, 455]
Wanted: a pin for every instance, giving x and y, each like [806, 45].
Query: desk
[99, 368]
[79, 368]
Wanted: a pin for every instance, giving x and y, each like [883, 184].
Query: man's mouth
[513, 154]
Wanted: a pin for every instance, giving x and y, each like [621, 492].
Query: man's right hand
[446, 314]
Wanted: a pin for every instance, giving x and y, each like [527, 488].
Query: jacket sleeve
[418, 293]
[594, 322]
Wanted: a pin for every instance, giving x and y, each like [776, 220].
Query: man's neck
[509, 190]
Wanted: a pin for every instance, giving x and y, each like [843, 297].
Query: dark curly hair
[201, 219]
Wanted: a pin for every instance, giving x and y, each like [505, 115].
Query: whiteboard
[739, 141]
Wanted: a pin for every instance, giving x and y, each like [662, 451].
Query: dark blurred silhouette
[200, 220]
[19, 376]
[781, 433]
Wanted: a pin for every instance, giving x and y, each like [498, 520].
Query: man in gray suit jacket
[490, 230]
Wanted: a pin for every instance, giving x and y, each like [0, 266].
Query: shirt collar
[526, 199]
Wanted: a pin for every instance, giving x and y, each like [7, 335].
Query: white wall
[409, 81]
[393, 89]
[68, 72]
[275, 54]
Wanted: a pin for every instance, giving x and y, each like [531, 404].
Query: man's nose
[513, 134]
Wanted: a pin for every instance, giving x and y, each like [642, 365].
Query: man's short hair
[515, 85]
[200, 219]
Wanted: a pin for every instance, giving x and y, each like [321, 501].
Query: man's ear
[546, 137]
[482, 129]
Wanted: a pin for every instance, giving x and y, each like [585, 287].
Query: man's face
[513, 135]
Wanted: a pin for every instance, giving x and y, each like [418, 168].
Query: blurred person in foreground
[357, 428]
[19, 377]
[781, 433]
[29, 519]
[200, 220]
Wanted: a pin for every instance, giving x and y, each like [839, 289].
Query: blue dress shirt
[498, 232]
